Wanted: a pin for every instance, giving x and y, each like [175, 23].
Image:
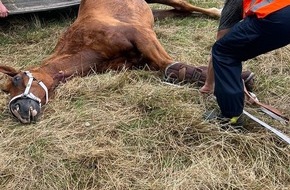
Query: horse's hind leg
[151, 49]
[183, 5]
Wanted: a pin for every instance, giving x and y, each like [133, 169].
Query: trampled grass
[128, 130]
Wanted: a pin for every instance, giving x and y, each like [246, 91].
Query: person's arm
[3, 10]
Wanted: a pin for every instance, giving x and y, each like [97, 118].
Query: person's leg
[209, 82]
[231, 14]
[247, 39]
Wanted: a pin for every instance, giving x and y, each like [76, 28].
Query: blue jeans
[246, 39]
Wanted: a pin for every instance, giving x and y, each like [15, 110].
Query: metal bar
[28, 6]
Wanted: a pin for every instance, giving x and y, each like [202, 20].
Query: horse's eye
[16, 80]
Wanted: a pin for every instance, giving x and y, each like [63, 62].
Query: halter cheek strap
[28, 94]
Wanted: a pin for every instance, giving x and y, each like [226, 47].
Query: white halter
[28, 94]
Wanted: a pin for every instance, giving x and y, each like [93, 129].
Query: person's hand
[3, 11]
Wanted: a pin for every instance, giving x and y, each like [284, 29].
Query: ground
[128, 130]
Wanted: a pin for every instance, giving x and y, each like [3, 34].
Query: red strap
[253, 100]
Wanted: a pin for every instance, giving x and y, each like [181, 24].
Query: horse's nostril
[17, 107]
[33, 112]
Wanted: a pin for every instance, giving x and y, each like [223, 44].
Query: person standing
[265, 27]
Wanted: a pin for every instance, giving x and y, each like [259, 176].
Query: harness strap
[45, 89]
[182, 73]
[29, 94]
[28, 86]
[253, 100]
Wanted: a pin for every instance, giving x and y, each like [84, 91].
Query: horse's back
[127, 11]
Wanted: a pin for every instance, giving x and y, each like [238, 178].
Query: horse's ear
[8, 70]
[6, 74]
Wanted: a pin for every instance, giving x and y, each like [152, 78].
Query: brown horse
[107, 34]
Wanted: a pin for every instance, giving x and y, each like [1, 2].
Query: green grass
[128, 130]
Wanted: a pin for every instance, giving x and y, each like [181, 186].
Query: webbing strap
[268, 107]
[29, 83]
[276, 131]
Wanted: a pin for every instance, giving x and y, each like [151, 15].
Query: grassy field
[128, 130]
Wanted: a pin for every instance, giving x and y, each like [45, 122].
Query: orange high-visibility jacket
[261, 8]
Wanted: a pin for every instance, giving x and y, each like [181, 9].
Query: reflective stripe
[262, 8]
[248, 6]
[252, 3]
[261, 4]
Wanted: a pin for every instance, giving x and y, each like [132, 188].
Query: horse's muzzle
[26, 110]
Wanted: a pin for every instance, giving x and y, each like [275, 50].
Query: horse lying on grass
[107, 35]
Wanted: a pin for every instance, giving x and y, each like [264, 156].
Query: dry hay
[127, 130]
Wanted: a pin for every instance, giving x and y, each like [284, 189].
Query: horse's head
[27, 90]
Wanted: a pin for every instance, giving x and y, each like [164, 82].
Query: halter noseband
[28, 94]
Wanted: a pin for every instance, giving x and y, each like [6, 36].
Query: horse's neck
[78, 64]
